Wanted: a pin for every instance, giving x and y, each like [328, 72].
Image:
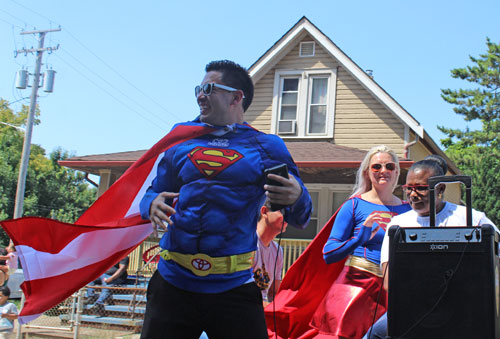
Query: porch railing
[292, 249]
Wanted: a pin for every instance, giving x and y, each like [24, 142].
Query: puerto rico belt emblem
[212, 161]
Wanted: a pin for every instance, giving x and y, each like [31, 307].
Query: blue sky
[126, 69]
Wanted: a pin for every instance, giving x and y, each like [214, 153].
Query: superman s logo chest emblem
[386, 218]
[211, 161]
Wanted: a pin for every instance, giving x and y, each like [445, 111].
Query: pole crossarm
[34, 50]
[41, 31]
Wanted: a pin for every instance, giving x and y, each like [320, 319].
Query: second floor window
[318, 106]
[304, 103]
[288, 105]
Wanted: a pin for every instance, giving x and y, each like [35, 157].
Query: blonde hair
[363, 183]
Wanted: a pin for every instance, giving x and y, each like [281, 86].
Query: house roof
[320, 154]
[93, 163]
[307, 154]
[274, 54]
[281, 48]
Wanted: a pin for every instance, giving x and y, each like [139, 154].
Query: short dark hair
[266, 203]
[431, 164]
[441, 162]
[235, 76]
[5, 291]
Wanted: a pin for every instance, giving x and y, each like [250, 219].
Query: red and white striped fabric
[59, 258]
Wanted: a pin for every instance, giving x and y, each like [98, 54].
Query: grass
[16, 302]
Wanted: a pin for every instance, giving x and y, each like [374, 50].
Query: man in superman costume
[204, 277]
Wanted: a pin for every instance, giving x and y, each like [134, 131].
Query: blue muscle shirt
[349, 236]
[221, 183]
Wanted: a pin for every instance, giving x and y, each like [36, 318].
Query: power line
[8, 23]
[104, 62]
[116, 89]
[107, 92]
[15, 17]
[155, 123]
[157, 117]
[122, 77]
[32, 11]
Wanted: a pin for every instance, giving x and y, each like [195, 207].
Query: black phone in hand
[281, 170]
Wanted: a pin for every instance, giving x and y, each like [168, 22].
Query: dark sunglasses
[208, 88]
[422, 189]
[378, 167]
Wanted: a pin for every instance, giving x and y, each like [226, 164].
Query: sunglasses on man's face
[421, 189]
[378, 167]
[208, 88]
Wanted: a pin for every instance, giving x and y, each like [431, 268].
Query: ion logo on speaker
[438, 247]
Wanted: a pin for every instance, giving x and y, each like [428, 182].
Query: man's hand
[287, 194]
[121, 268]
[159, 210]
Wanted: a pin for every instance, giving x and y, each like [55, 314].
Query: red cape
[302, 289]
[116, 209]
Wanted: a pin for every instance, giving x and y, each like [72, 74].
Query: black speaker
[443, 283]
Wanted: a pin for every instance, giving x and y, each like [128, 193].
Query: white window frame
[325, 199]
[281, 85]
[305, 89]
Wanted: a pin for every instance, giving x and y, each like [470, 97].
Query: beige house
[328, 111]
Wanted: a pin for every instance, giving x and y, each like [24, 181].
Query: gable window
[303, 103]
[307, 49]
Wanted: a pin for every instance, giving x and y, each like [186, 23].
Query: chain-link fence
[85, 315]
[121, 314]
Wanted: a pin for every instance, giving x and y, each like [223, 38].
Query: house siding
[361, 121]
[259, 114]
[357, 112]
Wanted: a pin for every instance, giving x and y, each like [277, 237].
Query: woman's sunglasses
[422, 189]
[378, 167]
[208, 88]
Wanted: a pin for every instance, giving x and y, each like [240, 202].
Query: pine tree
[480, 103]
[477, 152]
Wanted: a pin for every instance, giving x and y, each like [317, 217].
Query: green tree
[484, 168]
[477, 152]
[52, 191]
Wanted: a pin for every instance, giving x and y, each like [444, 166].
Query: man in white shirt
[447, 214]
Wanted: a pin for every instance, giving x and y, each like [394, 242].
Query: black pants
[175, 313]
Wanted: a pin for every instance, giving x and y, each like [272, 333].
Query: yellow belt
[363, 264]
[202, 264]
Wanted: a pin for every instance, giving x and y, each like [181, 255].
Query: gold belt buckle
[201, 264]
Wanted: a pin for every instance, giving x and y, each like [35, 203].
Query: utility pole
[23, 168]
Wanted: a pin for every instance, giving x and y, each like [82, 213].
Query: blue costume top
[221, 183]
[349, 236]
